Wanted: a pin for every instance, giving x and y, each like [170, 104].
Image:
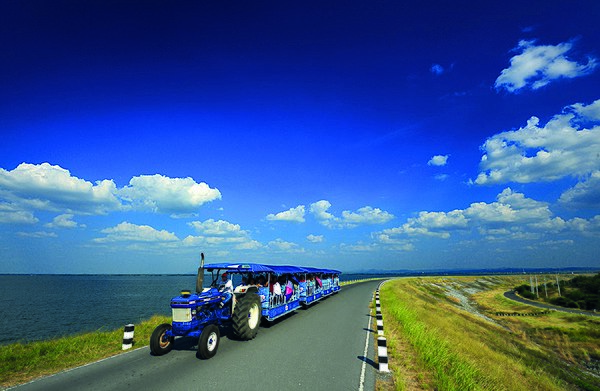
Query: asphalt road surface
[314, 349]
[511, 295]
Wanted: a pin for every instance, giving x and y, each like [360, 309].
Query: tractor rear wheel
[208, 343]
[160, 342]
[246, 317]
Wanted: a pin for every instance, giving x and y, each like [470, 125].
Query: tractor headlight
[182, 314]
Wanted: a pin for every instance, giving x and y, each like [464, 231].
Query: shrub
[525, 291]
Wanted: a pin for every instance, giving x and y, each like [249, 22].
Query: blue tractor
[199, 315]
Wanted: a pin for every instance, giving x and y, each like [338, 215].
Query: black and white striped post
[383, 354]
[381, 341]
[128, 332]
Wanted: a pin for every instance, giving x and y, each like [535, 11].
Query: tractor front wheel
[160, 342]
[208, 343]
[246, 317]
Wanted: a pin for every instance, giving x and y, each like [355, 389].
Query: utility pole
[531, 284]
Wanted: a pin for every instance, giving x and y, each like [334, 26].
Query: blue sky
[355, 135]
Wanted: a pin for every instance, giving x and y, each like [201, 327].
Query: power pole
[531, 284]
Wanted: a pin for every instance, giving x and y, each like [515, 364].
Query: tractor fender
[244, 289]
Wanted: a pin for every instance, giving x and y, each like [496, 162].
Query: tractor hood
[207, 296]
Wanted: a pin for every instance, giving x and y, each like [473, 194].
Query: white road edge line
[361, 385]
[122, 353]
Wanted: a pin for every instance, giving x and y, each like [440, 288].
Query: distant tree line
[579, 292]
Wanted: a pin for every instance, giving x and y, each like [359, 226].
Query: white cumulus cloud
[47, 187]
[537, 66]
[438, 160]
[280, 245]
[128, 232]
[220, 234]
[535, 153]
[211, 227]
[349, 219]
[159, 193]
[11, 214]
[315, 238]
[293, 214]
[64, 221]
[511, 215]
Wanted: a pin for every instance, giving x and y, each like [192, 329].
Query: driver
[226, 288]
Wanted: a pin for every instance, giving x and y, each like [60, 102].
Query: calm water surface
[40, 307]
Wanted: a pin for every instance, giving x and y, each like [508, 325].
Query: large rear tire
[208, 343]
[246, 317]
[160, 342]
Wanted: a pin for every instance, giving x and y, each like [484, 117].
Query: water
[38, 307]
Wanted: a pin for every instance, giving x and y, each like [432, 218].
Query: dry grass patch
[461, 350]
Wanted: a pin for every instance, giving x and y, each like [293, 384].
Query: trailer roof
[240, 267]
[258, 268]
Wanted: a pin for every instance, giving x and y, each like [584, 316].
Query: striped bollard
[379, 324]
[383, 354]
[128, 336]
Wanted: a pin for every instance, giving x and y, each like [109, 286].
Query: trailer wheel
[160, 342]
[208, 343]
[246, 317]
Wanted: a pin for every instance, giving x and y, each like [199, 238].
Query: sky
[357, 135]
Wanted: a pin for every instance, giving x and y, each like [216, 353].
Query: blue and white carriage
[298, 286]
[268, 292]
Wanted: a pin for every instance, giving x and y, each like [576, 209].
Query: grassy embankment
[22, 362]
[443, 334]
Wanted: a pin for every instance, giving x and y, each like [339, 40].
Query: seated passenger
[262, 281]
[244, 281]
[289, 290]
[277, 288]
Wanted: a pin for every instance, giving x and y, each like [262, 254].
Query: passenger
[244, 281]
[277, 288]
[289, 290]
[262, 281]
[252, 281]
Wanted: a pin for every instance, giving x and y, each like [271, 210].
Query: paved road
[511, 295]
[318, 348]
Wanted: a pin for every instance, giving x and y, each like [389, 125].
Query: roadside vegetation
[444, 334]
[22, 362]
[581, 292]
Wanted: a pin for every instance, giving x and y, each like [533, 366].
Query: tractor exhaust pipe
[200, 277]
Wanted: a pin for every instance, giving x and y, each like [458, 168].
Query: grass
[436, 343]
[22, 362]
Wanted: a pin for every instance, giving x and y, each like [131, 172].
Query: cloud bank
[46, 187]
